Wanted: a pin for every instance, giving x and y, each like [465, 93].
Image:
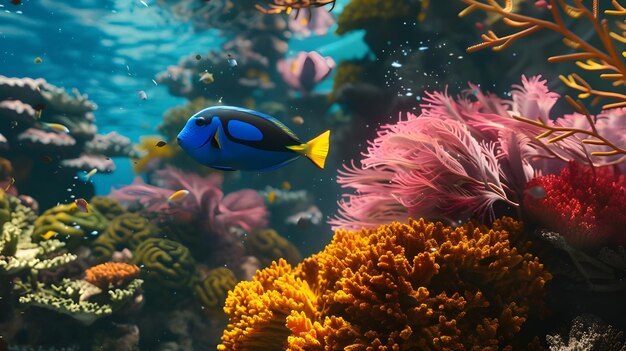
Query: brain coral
[267, 245]
[165, 264]
[212, 291]
[414, 286]
[109, 207]
[125, 231]
[72, 225]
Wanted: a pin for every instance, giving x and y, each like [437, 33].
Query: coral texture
[267, 246]
[367, 14]
[108, 207]
[126, 231]
[586, 206]
[211, 292]
[419, 285]
[72, 225]
[166, 265]
[111, 274]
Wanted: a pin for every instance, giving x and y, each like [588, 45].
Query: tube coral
[419, 285]
[586, 206]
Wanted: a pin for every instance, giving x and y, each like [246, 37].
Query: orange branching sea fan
[413, 286]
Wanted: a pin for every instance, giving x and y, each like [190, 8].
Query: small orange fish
[82, 205]
[297, 120]
[57, 127]
[286, 185]
[180, 194]
[10, 183]
[271, 197]
[49, 234]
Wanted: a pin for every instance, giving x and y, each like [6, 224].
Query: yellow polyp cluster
[419, 285]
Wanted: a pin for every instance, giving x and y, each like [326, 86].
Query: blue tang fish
[232, 138]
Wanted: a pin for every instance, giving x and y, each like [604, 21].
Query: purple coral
[243, 209]
[456, 159]
[306, 70]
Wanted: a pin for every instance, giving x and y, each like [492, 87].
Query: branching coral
[586, 206]
[111, 275]
[458, 158]
[70, 224]
[211, 292]
[605, 59]
[418, 285]
[126, 231]
[267, 245]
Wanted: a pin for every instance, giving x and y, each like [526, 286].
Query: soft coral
[587, 206]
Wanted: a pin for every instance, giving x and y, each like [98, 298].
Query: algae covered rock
[125, 231]
[167, 266]
[213, 290]
[70, 224]
[267, 246]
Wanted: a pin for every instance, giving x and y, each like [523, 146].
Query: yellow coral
[419, 285]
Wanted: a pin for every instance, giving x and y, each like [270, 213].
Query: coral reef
[166, 266]
[472, 154]
[70, 224]
[211, 292]
[267, 246]
[418, 285]
[588, 333]
[586, 206]
[108, 207]
[27, 107]
[125, 231]
[111, 275]
[74, 298]
[368, 14]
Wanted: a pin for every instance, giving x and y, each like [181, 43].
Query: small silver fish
[232, 62]
[142, 95]
[537, 192]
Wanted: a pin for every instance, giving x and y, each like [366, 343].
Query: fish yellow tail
[315, 150]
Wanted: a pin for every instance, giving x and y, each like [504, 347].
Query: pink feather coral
[244, 209]
[456, 159]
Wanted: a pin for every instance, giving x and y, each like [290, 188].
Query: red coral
[588, 208]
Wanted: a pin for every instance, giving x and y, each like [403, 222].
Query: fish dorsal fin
[275, 121]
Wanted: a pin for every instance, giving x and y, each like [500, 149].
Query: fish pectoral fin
[315, 150]
[215, 141]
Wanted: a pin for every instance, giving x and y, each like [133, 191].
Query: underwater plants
[457, 159]
[418, 285]
[604, 59]
[586, 206]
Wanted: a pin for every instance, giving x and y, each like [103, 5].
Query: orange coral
[111, 274]
[418, 285]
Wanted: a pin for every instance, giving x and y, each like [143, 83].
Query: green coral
[72, 225]
[364, 14]
[267, 246]
[175, 118]
[17, 251]
[212, 291]
[5, 209]
[108, 207]
[79, 299]
[125, 231]
[166, 265]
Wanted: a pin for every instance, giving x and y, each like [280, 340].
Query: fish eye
[201, 121]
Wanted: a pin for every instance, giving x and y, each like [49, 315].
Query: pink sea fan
[206, 202]
[422, 166]
[307, 21]
[306, 70]
[459, 157]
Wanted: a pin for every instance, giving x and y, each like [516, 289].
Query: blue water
[110, 49]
